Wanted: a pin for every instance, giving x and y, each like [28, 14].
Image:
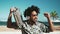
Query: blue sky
[44, 5]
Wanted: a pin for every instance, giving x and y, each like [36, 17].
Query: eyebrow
[35, 15]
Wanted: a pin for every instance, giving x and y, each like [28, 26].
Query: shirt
[38, 28]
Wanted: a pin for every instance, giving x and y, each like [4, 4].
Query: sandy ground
[4, 28]
[57, 28]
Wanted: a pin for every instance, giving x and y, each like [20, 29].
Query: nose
[36, 17]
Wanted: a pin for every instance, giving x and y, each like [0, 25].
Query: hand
[12, 9]
[46, 15]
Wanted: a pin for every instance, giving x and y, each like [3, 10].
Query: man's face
[33, 16]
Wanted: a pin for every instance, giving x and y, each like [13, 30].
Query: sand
[57, 28]
[4, 28]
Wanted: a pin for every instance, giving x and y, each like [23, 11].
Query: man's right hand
[12, 9]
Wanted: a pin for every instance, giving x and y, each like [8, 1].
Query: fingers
[12, 9]
[46, 14]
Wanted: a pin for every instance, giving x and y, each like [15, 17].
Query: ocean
[5, 23]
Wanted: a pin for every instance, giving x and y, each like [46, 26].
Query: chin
[35, 20]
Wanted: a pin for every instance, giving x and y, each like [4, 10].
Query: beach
[57, 28]
[5, 30]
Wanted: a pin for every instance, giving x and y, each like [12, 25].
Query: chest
[33, 29]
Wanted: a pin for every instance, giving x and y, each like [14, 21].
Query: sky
[44, 5]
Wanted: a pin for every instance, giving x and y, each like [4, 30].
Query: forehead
[33, 12]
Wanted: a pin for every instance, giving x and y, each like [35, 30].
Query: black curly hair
[29, 10]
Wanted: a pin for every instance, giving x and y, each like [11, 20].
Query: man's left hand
[47, 15]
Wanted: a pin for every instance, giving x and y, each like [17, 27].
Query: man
[31, 25]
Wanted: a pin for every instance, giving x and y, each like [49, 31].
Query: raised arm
[49, 21]
[9, 21]
[18, 18]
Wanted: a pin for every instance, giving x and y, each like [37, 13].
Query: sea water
[5, 23]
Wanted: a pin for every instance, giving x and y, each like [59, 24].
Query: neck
[31, 22]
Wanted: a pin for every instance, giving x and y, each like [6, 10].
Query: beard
[35, 20]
